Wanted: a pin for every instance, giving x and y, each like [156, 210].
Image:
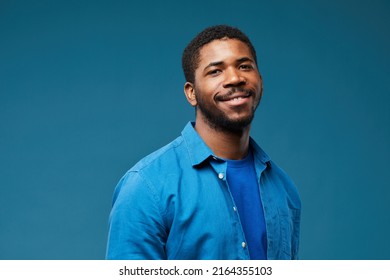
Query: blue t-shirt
[244, 187]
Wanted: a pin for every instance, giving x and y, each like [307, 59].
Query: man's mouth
[235, 97]
[236, 101]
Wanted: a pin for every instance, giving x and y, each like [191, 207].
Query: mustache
[232, 91]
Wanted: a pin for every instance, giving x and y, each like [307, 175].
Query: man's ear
[189, 91]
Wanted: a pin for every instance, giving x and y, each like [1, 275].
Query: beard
[219, 120]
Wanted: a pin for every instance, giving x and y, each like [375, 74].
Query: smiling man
[212, 193]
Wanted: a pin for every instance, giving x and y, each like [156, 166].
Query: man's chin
[231, 125]
[222, 122]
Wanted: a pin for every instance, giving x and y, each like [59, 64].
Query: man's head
[190, 58]
[223, 83]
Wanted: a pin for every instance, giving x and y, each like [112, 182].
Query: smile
[236, 101]
[235, 97]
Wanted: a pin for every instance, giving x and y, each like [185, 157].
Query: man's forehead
[221, 49]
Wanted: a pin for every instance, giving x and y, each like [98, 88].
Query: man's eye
[246, 66]
[214, 72]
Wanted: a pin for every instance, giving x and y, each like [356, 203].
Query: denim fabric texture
[176, 204]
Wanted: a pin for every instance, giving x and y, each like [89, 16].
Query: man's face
[228, 86]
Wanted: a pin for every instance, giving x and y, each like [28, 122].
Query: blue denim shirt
[176, 204]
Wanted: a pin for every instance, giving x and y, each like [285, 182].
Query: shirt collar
[197, 148]
[200, 152]
[259, 154]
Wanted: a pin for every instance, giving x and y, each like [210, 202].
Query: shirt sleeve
[136, 230]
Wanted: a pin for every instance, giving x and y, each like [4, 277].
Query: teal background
[87, 88]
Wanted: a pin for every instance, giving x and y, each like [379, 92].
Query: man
[212, 193]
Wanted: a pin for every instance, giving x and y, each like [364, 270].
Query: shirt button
[235, 208]
[243, 244]
[220, 175]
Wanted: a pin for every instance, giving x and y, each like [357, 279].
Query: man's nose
[233, 77]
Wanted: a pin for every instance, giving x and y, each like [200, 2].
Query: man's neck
[225, 144]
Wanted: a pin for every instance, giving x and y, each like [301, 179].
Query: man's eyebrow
[243, 59]
[218, 63]
[211, 64]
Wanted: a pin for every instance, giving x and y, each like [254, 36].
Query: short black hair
[190, 58]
